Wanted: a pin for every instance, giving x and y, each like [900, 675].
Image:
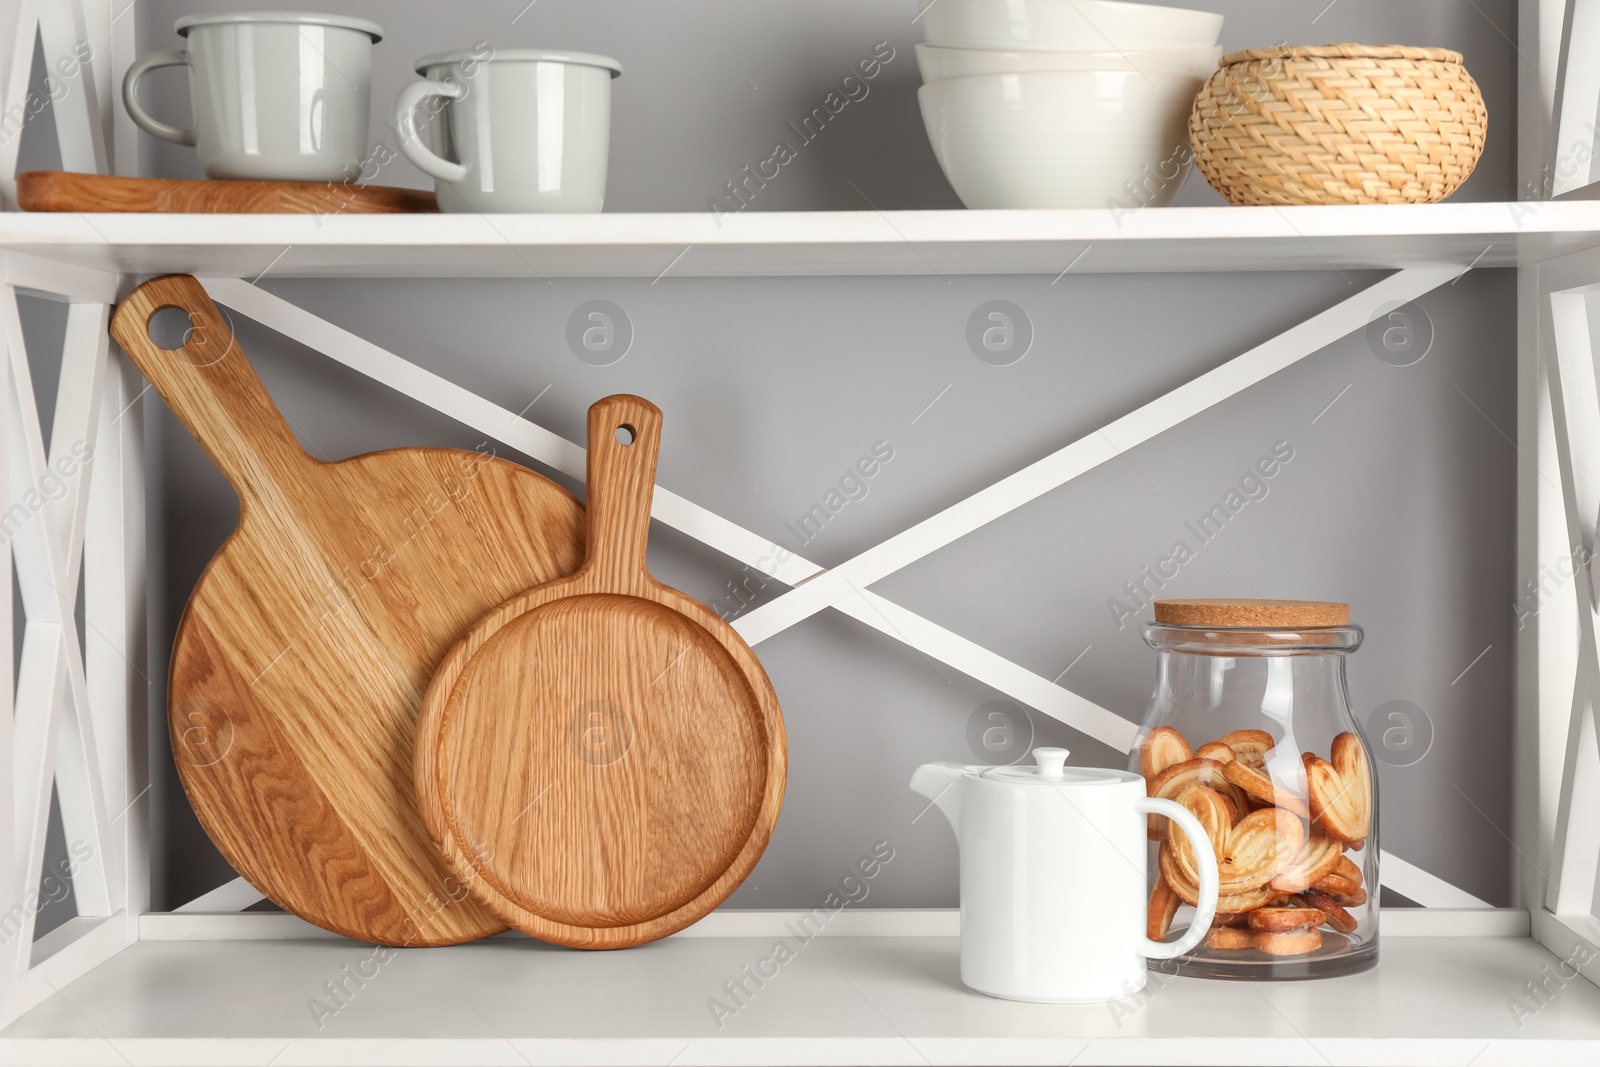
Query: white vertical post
[114, 575]
[1575, 402]
[8, 783]
[122, 136]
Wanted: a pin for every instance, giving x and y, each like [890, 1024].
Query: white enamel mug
[1053, 890]
[525, 130]
[275, 95]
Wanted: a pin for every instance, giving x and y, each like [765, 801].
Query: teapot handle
[1206, 862]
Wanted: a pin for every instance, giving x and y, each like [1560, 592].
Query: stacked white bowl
[1063, 103]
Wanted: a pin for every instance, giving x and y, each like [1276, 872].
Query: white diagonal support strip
[1088, 452]
[38, 698]
[75, 425]
[444, 396]
[997, 672]
[70, 60]
[1416, 884]
[485, 416]
[235, 895]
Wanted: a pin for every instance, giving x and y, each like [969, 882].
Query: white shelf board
[692, 244]
[839, 1000]
[189, 924]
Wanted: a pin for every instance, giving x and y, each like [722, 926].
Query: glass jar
[1250, 728]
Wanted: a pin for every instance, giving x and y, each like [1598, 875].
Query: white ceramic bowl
[1062, 139]
[1067, 26]
[938, 64]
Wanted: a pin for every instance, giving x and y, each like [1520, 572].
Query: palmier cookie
[1249, 747]
[1340, 789]
[1288, 943]
[1341, 890]
[1348, 869]
[1337, 917]
[1163, 906]
[1258, 784]
[1249, 853]
[1162, 747]
[1171, 783]
[1247, 900]
[1187, 887]
[1318, 858]
[1228, 939]
[1261, 844]
[1215, 750]
[1279, 919]
[1216, 816]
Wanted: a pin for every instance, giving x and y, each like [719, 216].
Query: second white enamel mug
[523, 130]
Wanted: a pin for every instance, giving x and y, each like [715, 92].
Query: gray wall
[1399, 498]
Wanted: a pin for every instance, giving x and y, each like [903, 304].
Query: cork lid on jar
[1288, 614]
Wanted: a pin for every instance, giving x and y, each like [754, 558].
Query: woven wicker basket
[1338, 124]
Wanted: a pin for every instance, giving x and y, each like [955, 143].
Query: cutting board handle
[622, 480]
[209, 385]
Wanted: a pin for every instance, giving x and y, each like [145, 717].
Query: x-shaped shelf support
[51, 729]
[1575, 413]
[845, 587]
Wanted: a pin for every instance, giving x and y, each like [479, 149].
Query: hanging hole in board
[170, 328]
[625, 434]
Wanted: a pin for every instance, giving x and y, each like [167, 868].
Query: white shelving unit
[209, 984]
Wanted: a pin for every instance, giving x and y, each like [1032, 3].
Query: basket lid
[1288, 614]
[1343, 51]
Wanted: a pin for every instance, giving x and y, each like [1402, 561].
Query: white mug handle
[405, 123]
[1205, 859]
[130, 97]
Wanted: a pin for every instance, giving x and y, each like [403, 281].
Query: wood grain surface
[602, 759]
[302, 658]
[57, 190]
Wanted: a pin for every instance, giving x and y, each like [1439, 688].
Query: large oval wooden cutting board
[302, 658]
[602, 758]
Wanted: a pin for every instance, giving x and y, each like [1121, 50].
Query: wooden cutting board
[57, 190]
[301, 660]
[602, 759]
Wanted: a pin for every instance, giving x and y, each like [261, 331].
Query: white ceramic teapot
[1053, 890]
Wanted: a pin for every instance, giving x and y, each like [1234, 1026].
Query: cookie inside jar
[1250, 728]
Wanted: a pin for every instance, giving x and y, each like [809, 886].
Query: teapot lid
[1049, 768]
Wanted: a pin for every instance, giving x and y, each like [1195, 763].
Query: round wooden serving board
[301, 660]
[602, 759]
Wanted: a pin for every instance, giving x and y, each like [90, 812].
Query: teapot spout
[943, 783]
